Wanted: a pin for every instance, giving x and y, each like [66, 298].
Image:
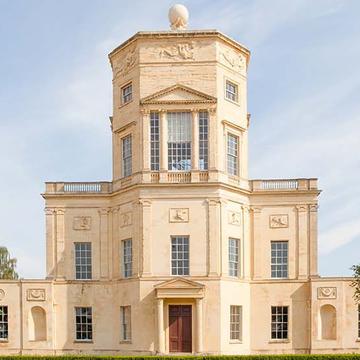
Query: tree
[355, 283]
[7, 265]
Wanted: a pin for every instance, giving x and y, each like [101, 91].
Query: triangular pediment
[179, 283]
[178, 94]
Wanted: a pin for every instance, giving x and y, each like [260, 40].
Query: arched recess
[37, 324]
[327, 323]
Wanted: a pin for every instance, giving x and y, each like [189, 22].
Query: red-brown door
[180, 334]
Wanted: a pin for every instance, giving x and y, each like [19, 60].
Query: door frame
[167, 332]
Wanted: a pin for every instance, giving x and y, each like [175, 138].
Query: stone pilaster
[303, 242]
[60, 244]
[145, 238]
[104, 244]
[257, 249]
[214, 237]
[313, 240]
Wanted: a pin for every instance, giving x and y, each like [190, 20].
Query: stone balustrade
[283, 185]
[100, 187]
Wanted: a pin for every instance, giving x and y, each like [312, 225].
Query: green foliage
[356, 282]
[227, 357]
[7, 265]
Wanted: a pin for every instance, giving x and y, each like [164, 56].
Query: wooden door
[180, 332]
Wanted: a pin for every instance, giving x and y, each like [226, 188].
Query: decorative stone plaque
[35, 295]
[234, 218]
[326, 293]
[82, 223]
[2, 294]
[179, 215]
[125, 219]
[279, 221]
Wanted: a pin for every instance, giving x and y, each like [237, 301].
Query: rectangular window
[180, 255]
[83, 261]
[127, 257]
[83, 323]
[279, 259]
[232, 154]
[279, 322]
[179, 140]
[125, 313]
[233, 257]
[154, 141]
[235, 322]
[231, 91]
[126, 93]
[203, 140]
[126, 156]
[4, 325]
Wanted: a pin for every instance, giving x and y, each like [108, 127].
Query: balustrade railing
[79, 187]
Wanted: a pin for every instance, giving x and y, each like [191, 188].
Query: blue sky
[55, 100]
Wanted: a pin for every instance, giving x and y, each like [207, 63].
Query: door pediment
[178, 94]
[179, 288]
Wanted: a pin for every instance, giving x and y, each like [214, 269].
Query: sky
[55, 103]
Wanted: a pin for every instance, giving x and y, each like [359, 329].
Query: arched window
[37, 324]
[327, 324]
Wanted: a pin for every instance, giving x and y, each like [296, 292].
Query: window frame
[155, 141]
[234, 271]
[4, 322]
[234, 95]
[232, 323]
[127, 273]
[78, 273]
[89, 329]
[277, 267]
[126, 156]
[126, 97]
[235, 164]
[174, 270]
[125, 327]
[277, 324]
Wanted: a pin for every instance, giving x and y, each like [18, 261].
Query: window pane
[233, 257]
[125, 319]
[179, 140]
[126, 93]
[203, 140]
[231, 92]
[279, 259]
[154, 141]
[232, 154]
[180, 255]
[83, 323]
[127, 257]
[279, 322]
[235, 322]
[127, 155]
[83, 263]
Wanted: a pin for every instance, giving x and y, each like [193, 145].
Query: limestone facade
[180, 252]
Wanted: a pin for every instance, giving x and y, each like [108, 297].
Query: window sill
[4, 340]
[235, 342]
[83, 341]
[232, 101]
[124, 104]
[279, 341]
[125, 342]
[357, 340]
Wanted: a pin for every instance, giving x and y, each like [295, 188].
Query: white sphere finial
[178, 16]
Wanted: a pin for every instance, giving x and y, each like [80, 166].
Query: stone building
[181, 252]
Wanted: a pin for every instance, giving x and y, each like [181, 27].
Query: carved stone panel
[35, 295]
[232, 60]
[126, 64]
[326, 293]
[179, 215]
[2, 294]
[234, 218]
[279, 221]
[125, 219]
[82, 223]
[183, 51]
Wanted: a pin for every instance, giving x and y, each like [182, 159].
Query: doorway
[180, 328]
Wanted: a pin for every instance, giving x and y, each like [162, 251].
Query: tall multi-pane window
[235, 322]
[83, 323]
[179, 140]
[279, 259]
[127, 257]
[126, 156]
[154, 141]
[359, 321]
[233, 257]
[180, 255]
[126, 93]
[125, 319]
[231, 91]
[279, 322]
[4, 324]
[203, 140]
[232, 154]
[83, 261]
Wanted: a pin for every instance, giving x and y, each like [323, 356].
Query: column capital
[314, 207]
[256, 209]
[49, 211]
[145, 111]
[301, 208]
[213, 201]
[59, 211]
[103, 211]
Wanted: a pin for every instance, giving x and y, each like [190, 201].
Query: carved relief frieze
[82, 223]
[279, 221]
[125, 219]
[326, 293]
[35, 295]
[184, 51]
[234, 218]
[179, 215]
[2, 294]
[126, 64]
[236, 62]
